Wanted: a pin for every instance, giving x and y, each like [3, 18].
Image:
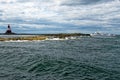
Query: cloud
[0, 12]
[80, 2]
[60, 15]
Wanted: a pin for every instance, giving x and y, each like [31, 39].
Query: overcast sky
[60, 16]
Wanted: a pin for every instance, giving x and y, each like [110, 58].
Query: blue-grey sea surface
[79, 59]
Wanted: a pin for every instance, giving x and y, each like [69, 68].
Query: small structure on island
[9, 31]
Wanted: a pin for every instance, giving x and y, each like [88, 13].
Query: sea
[86, 58]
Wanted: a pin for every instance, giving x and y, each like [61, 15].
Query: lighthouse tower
[8, 31]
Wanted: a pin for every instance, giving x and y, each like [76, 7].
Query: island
[31, 37]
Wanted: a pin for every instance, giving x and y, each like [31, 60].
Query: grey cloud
[114, 21]
[84, 2]
[4, 2]
[22, 1]
[94, 1]
[1, 12]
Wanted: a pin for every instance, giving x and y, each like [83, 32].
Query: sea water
[79, 59]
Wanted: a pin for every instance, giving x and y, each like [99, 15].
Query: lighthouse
[9, 31]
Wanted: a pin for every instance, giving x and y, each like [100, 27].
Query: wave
[66, 38]
[24, 41]
[65, 69]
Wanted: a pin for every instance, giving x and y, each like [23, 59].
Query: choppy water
[82, 59]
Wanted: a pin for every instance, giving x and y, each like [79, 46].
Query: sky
[60, 16]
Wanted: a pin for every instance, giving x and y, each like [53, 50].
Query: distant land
[31, 37]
